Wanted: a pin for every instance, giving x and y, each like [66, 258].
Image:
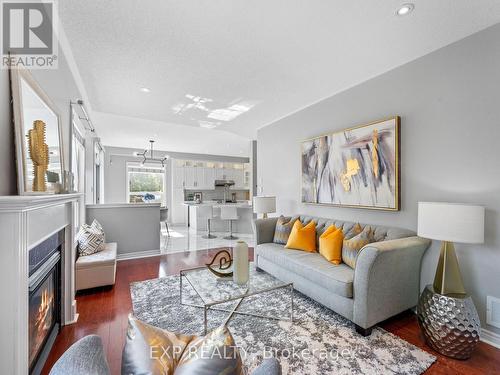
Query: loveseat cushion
[313, 266]
[105, 257]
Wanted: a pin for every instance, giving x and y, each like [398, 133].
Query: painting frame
[396, 166]
[18, 76]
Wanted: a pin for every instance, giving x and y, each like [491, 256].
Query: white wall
[449, 103]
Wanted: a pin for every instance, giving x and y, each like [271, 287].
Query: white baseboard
[138, 254]
[490, 337]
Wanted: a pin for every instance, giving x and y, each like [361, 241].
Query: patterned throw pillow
[90, 240]
[352, 232]
[97, 226]
[152, 350]
[351, 247]
[283, 228]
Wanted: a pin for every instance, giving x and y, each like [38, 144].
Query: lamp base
[448, 279]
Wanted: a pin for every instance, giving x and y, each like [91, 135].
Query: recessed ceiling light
[145, 89]
[405, 9]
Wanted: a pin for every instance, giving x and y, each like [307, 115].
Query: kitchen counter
[242, 225]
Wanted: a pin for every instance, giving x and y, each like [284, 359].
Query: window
[78, 160]
[145, 184]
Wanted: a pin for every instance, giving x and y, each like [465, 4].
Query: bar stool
[229, 213]
[206, 212]
[163, 219]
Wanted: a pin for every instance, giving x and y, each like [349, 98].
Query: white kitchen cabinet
[178, 177]
[199, 177]
[189, 177]
[208, 178]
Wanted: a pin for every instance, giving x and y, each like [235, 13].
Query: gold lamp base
[448, 279]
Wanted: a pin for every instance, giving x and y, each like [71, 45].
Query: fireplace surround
[29, 223]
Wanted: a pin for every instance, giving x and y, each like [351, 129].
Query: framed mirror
[39, 146]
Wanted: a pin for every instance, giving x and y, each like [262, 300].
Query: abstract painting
[355, 167]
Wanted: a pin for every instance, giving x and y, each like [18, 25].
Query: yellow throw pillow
[330, 244]
[303, 237]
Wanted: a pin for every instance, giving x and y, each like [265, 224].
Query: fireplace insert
[44, 299]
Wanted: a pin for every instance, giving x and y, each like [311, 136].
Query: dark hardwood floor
[104, 312]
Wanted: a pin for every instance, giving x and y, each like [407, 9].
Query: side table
[450, 323]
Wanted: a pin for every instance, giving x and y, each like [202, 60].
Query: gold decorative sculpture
[39, 154]
[221, 264]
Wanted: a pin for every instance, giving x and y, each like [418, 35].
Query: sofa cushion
[313, 266]
[105, 257]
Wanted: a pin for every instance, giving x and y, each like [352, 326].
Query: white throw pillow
[90, 240]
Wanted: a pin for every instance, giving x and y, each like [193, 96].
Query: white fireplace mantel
[26, 221]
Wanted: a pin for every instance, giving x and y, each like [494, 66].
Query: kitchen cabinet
[208, 178]
[178, 177]
[189, 177]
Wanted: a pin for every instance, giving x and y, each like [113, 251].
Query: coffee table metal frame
[212, 305]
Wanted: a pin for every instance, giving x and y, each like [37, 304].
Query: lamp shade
[264, 205]
[452, 222]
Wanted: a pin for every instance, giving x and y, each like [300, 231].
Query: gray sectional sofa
[385, 281]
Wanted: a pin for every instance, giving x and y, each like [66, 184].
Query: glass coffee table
[222, 294]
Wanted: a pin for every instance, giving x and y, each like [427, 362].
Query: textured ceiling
[241, 65]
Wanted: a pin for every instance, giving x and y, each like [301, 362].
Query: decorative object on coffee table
[264, 205]
[221, 264]
[446, 314]
[240, 269]
[450, 323]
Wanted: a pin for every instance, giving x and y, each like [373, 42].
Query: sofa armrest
[387, 279]
[264, 230]
[85, 357]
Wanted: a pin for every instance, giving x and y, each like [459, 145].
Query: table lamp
[264, 205]
[450, 222]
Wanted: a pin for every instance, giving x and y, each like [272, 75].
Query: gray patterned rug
[318, 341]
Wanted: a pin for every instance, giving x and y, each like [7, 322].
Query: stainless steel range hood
[224, 182]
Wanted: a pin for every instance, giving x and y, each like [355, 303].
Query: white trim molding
[26, 221]
[138, 254]
[490, 337]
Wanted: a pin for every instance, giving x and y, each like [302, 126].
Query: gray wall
[449, 103]
[60, 86]
[134, 227]
[115, 167]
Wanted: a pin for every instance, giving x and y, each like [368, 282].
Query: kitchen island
[242, 225]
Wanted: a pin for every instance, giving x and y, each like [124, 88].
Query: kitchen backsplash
[218, 193]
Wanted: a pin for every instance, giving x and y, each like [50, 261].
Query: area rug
[319, 341]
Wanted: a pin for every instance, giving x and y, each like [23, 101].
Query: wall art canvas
[355, 167]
